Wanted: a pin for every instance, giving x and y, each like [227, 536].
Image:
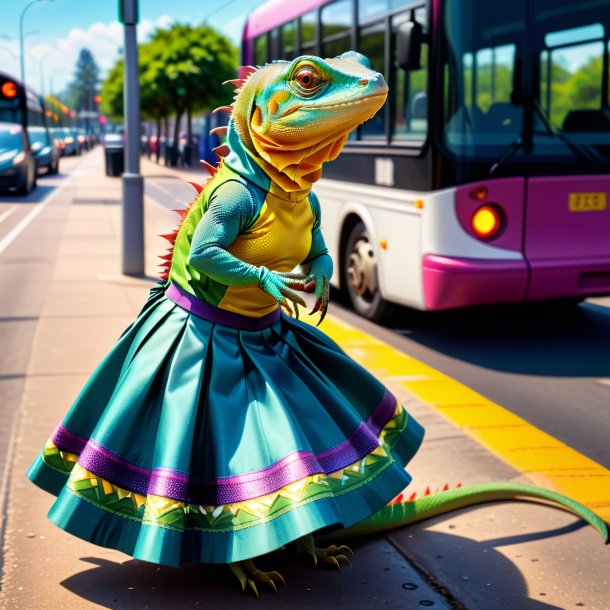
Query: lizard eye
[307, 82]
[307, 78]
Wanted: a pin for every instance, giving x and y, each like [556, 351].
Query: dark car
[44, 149]
[17, 165]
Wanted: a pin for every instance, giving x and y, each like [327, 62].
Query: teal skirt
[201, 441]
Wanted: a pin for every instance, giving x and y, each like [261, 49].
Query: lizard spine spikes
[197, 187]
[220, 131]
[227, 109]
[211, 169]
[222, 150]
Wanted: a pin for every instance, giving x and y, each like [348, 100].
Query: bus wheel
[360, 276]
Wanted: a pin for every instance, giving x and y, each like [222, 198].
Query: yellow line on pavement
[523, 446]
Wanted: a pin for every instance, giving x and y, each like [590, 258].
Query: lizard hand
[318, 280]
[282, 288]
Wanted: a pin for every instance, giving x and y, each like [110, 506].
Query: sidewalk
[495, 556]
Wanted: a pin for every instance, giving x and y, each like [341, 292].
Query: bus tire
[360, 277]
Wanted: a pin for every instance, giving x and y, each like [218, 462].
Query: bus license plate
[588, 202]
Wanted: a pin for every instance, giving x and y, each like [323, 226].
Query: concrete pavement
[495, 556]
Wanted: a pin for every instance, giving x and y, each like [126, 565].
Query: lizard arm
[232, 210]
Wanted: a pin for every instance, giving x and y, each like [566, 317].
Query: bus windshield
[527, 79]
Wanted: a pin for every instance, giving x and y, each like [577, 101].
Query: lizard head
[294, 116]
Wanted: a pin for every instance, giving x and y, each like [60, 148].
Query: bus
[20, 104]
[484, 178]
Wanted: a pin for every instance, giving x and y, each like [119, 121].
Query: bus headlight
[486, 221]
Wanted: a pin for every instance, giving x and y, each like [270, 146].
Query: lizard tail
[404, 513]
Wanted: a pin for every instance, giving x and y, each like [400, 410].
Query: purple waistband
[226, 490]
[219, 316]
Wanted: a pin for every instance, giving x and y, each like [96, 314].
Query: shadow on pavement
[475, 572]
[36, 196]
[379, 578]
[545, 339]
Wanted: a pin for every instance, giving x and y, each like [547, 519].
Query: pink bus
[485, 177]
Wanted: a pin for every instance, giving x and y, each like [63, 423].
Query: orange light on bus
[479, 194]
[419, 204]
[384, 244]
[486, 222]
[9, 89]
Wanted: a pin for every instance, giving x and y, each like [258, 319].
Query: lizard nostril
[363, 82]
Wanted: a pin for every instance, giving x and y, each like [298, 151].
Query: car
[44, 149]
[17, 165]
[70, 138]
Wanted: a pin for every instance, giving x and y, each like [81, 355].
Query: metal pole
[132, 238]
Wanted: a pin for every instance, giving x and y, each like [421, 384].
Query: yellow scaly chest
[279, 239]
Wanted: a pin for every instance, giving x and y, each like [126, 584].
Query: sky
[56, 30]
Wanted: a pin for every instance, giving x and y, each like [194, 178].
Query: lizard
[287, 119]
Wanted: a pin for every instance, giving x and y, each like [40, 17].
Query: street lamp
[40, 61]
[21, 37]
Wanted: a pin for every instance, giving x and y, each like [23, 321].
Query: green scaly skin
[400, 514]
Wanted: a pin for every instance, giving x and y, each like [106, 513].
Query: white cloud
[53, 60]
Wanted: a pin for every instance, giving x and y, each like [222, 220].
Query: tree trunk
[158, 151]
[176, 142]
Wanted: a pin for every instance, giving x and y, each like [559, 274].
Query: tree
[112, 92]
[181, 72]
[190, 63]
[84, 85]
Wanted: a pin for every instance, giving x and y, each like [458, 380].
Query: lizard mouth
[354, 102]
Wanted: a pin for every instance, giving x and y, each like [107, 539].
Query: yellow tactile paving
[510, 437]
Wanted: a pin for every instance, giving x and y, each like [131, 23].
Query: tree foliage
[83, 88]
[181, 72]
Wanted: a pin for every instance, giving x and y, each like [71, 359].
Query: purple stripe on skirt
[179, 486]
[219, 316]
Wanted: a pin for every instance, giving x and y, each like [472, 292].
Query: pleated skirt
[198, 441]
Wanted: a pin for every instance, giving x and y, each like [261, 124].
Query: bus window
[410, 90]
[336, 19]
[369, 9]
[571, 71]
[309, 26]
[372, 41]
[288, 38]
[260, 50]
[275, 47]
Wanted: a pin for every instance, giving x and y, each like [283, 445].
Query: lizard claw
[332, 555]
[248, 575]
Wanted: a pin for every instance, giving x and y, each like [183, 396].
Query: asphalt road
[27, 252]
[549, 365]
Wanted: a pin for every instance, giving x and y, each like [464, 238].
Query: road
[549, 365]
[25, 261]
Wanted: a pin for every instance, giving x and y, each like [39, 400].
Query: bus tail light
[487, 221]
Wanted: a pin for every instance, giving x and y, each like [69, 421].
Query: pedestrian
[219, 427]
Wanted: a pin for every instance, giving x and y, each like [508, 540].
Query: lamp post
[132, 240]
[21, 37]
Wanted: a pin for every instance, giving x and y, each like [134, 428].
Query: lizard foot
[331, 555]
[248, 575]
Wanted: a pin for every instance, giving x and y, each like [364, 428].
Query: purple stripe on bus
[169, 483]
[219, 316]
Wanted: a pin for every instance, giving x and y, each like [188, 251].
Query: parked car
[70, 138]
[58, 136]
[17, 165]
[83, 140]
[43, 149]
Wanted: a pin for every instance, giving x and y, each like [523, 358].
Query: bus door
[567, 223]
